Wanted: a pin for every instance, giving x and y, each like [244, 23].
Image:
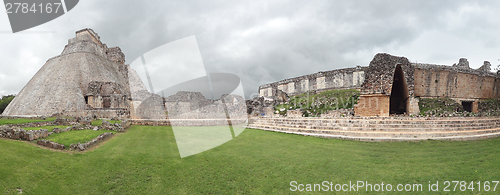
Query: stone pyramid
[87, 79]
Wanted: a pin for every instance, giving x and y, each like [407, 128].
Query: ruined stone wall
[86, 145]
[86, 34]
[150, 108]
[348, 78]
[106, 95]
[380, 74]
[187, 122]
[377, 86]
[192, 105]
[116, 55]
[99, 113]
[458, 83]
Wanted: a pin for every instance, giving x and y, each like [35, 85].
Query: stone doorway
[467, 105]
[106, 102]
[399, 93]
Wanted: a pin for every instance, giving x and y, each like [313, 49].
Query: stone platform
[385, 129]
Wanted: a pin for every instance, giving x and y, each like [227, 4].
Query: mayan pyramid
[86, 79]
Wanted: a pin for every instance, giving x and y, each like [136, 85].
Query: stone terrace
[386, 129]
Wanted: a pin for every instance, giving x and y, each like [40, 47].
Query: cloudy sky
[266, 41]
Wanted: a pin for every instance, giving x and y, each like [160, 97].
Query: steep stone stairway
[385, 129]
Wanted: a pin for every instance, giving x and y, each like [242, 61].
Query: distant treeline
[4, 102]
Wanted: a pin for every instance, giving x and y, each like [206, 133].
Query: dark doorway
[399, 93]
[86, 99]
[467, 106]
[106, 102]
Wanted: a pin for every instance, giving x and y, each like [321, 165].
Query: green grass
[99, 122]
[22, 120]
[80, 136]
[145, 160]
[50, 128]
[315, 104]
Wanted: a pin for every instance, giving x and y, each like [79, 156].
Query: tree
[498, 67]
[4, 102]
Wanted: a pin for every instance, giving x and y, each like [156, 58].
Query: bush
[4, 102]
[312, 104]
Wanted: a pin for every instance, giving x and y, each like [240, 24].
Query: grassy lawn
[22, 120]
[82, 136]
[99, 122]
[145, 160]
[50, 128]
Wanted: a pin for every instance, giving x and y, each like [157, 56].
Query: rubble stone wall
[19, 133]
[99, 113]
[377, 87]
[380, 74]
[91, 143]
[50, 144]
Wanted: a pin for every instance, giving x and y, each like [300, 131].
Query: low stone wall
[90, 143]
[35, 134]
[186, 122]
[18, 133]
[100, 113]
[35, 124]
[76, 124]
[50, 144]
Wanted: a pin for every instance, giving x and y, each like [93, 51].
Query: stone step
[449, 122]
[385, 126]
[387, 121]
[377, 129]
[386, 134]
[364, 124]
[385, 129]
[380, 139]
[421, 125]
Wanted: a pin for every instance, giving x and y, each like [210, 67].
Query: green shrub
[4, 102]
[315, 104]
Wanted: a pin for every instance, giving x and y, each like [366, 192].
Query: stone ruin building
[193, 105]
[91, 80]
[393, 85]
[87, 79]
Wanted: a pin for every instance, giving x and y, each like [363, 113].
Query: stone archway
[399, 93]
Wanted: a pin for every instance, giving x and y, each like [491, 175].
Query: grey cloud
[266, 41]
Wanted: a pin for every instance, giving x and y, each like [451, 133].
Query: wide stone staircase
[384, 129]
